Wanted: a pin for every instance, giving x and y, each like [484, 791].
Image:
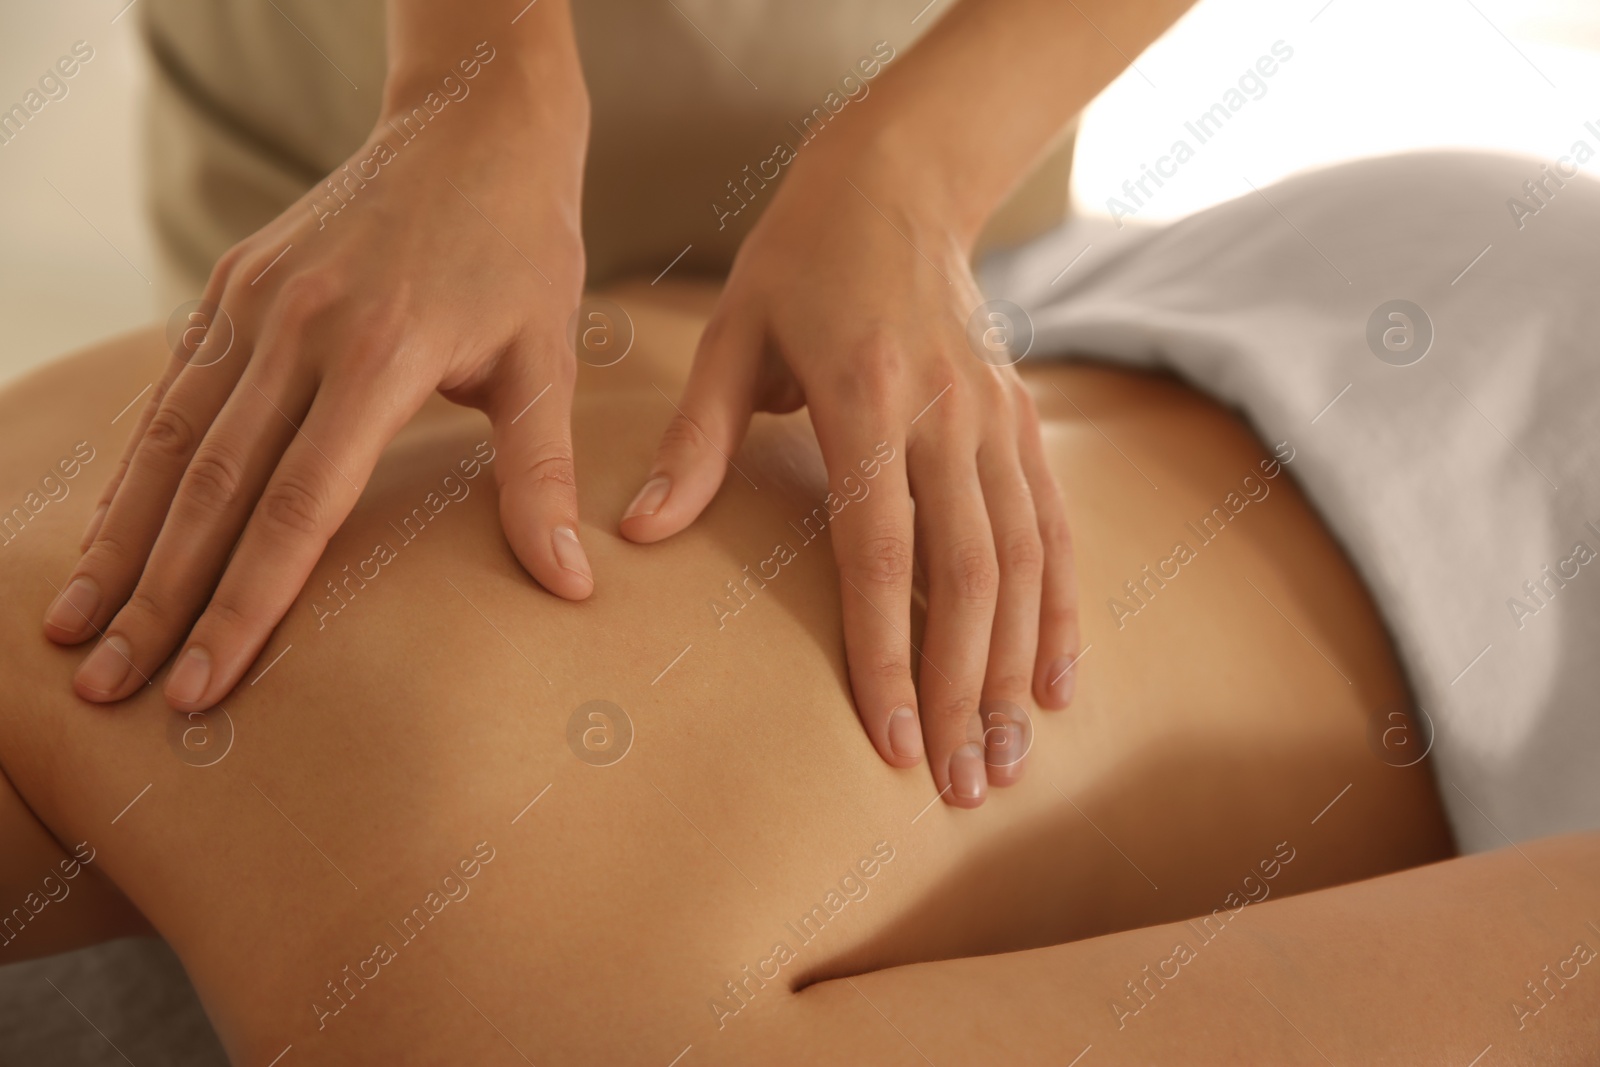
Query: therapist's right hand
[455, 267]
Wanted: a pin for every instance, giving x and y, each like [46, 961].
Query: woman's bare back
[451, 818]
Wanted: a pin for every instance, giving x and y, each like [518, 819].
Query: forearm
[957, 121]
[1428, 965]
[535, 56]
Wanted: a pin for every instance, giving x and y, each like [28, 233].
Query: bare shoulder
[69, 409]
[62, 429]
[59, 442]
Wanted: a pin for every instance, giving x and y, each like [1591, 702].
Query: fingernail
[1062, 679]
[905, 736]
[1003, 750]
[73, 611]
[93, 528]
[188, 681]
[569, 553]
[650, 498]
[967, 775]
[107, 666]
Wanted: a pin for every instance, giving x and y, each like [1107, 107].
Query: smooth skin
[457, 272]
[853, 295]
[1486, 959]
[1206, 732]
[410, 710]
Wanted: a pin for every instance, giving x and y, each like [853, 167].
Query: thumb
[530, 411]
[707, 426]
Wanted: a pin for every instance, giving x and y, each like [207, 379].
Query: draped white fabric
[1465, 484]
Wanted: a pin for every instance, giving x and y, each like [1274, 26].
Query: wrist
[894, 170]
[542, 90]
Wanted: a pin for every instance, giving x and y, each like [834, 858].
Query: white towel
[1451, 481]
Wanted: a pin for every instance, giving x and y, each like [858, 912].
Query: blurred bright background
[1366, 77]
[64, 280]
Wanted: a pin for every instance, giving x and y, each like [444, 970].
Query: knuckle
[169, 435]
[109, 554]
[887, 667]
[213, 480]
[970, 570]
[222, 614]
[227, 264]
[1060, 619]
[554, 471]
[681, 435]
[305, 294]
[956, 716]
[143, 608]
[1008, 684]
[873, 372]
[883, 559]
[879, 364]
[290, 507]
[374, 357]
[939, 401]
[879, 345]
[1055, 533]
[1022, 553]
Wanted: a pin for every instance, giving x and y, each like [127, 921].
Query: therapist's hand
[852, 297]
[453, 266]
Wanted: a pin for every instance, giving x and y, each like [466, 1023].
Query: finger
[872, 542]
[963, 580]
[308, 497]
[699, 442]
[530, 409]
[212, 504]
[1014, 640]
[109, 570]
[195, 344]
[1055, 672]
[131, 445]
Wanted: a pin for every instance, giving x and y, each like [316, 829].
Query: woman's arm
[961, 117]
[1490, 959]
[854, 296]
[443, 256]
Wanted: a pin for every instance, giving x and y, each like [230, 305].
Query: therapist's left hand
[850, 297]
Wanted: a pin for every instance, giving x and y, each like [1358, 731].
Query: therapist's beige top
[254, 101]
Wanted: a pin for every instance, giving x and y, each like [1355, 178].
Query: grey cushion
[134, 991]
